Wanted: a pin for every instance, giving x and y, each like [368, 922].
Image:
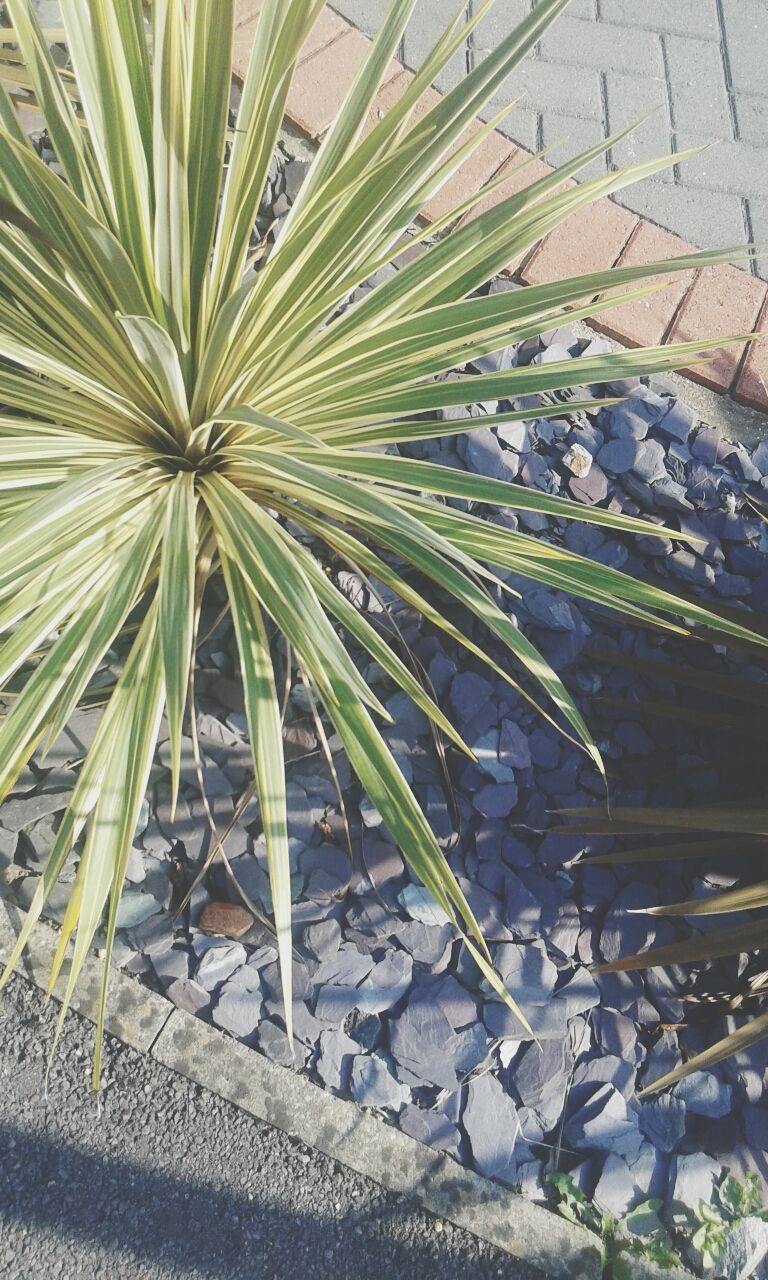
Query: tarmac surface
[157, 1179]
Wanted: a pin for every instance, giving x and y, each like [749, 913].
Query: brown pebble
[226, 919]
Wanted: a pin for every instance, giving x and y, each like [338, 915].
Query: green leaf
[188, 393]
[177, 608]
[266, 732]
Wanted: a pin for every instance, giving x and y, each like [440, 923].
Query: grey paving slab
[746, 39]
[701, 63]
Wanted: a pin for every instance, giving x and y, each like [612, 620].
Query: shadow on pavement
[155, 1217]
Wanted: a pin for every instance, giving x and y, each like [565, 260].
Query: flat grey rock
[616, 1191]
[274, 1044]
[662, 1120]
[386, 984]
[347, 967]
[334, 1064]
[373, 1085]
[705, 1095]
[606, 1124]
[746, 1247]
[323, 939]
[171, 966]
[491, 1123]
[18, 814]
[418, 904]
[433, 1128]
[135, 908]
[189, 996]
[238, 1010]
[541, 1077]
[219, 963]
[514, 749]
[425, 942]
[693, 1178]
[496, 800]
[421, 1040]
[526, 971]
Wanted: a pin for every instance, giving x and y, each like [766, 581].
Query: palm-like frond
[742, 831]
[167, 404]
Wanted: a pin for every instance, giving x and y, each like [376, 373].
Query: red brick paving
[751, 386]
[643, 323]
[592, 239]
[720, 301]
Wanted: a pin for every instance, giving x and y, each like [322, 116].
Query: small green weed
[735, 1201]
[640, 1234]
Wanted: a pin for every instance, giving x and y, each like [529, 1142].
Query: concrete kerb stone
[337, 1127]
[134, 1015]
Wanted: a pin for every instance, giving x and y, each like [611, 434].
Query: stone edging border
[708, 303]
[358, 1139]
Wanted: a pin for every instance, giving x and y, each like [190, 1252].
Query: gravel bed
[389, 1010]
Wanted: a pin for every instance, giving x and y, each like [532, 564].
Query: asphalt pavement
[156, 1179]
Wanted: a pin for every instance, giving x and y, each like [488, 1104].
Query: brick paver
[644, 323]
[683, 66]
[703, 64]
[720, 306]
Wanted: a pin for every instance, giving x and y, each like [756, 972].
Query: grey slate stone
[616, 1190]
[679, 421]
[347, 967]
[514, 749]
[425, 942]
[273, 1043]
[705, 1094]
[430, 1127]
[496, 800]
[373, 1085]
[171, 966]
[746, 1247]
[486, 750]
[15, 815]
[546, 1022]
[541, 1078]
[189, 996]
[469, 692]
[135, 908]
[418, 904]
[238, 1010]
[618, 456]
[219, 963]
[662, 1120]
[421, 1041]
[334, 1064]
[692, 1178]
[491, 1123]
[323, 939]
[649, 462]
[527, 972]
[606, 1124]
[386, 984]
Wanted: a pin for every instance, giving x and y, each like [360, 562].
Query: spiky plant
[174, 395]
[724, 834]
